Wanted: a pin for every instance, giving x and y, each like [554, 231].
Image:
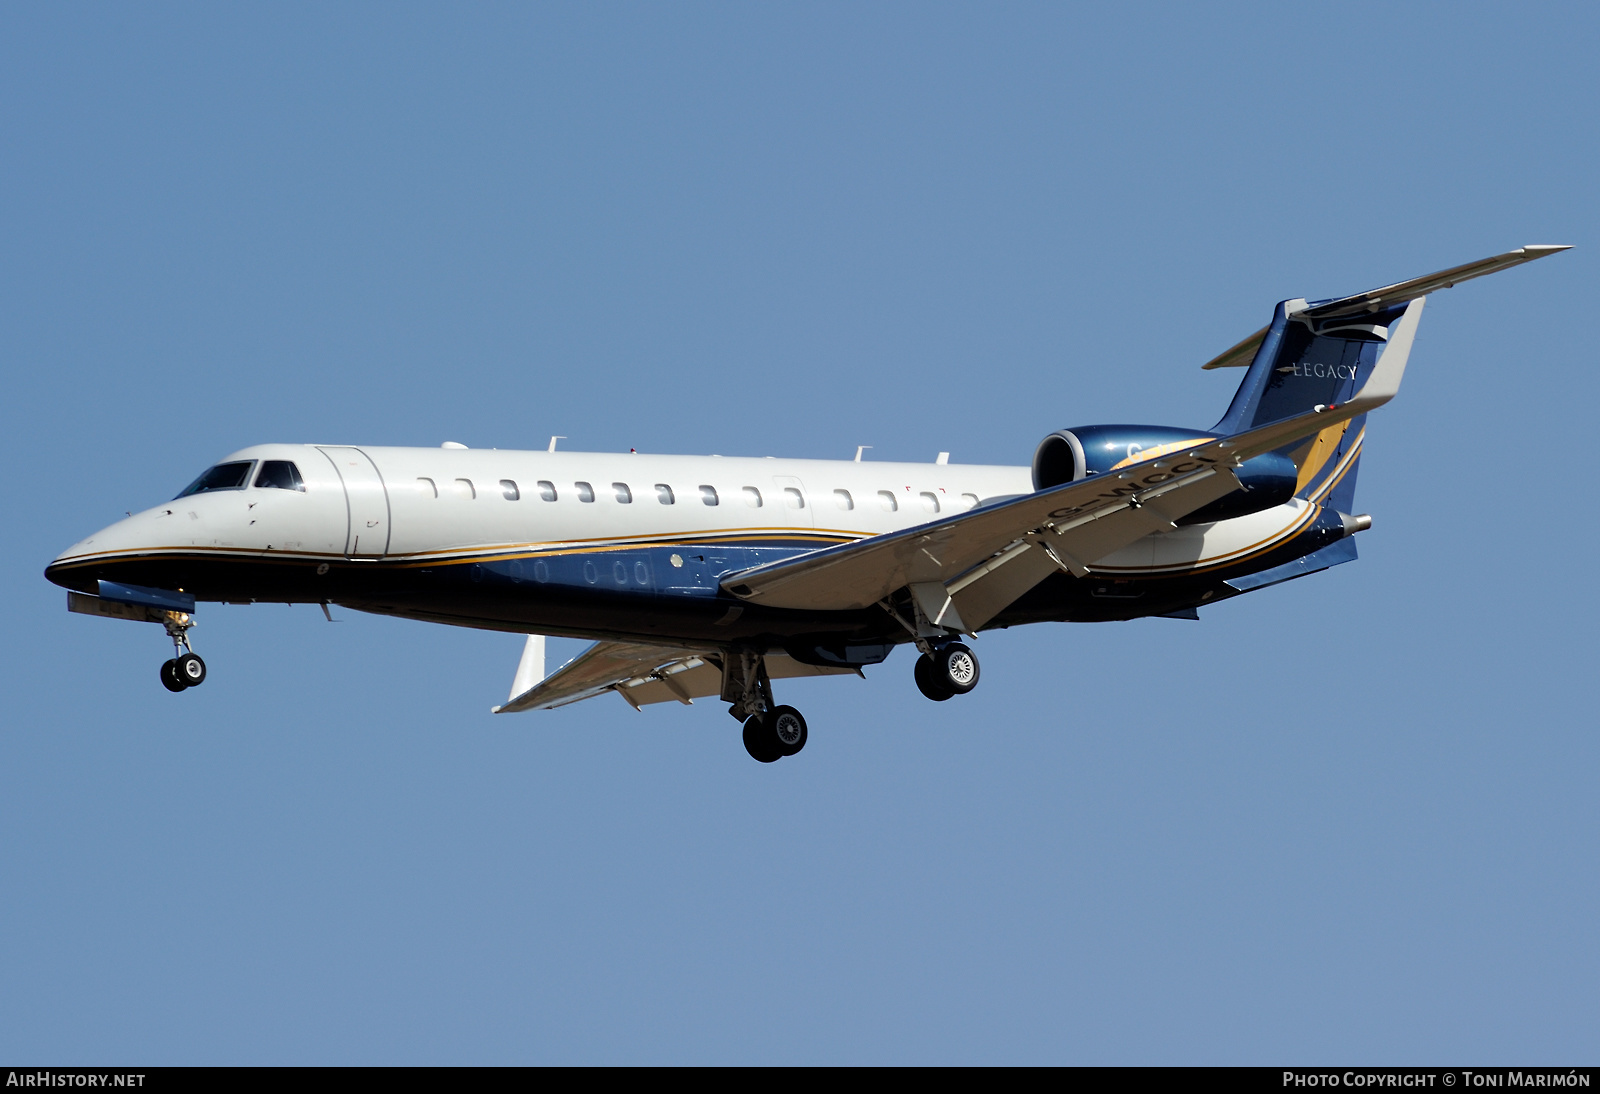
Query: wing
[644, 674]
[964, 570]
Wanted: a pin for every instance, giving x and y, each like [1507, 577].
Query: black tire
[956, 668]
[927, 679]
[759, 741]
[190, 669]
[788, 729]
[169, 676]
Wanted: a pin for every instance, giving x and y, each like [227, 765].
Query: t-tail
[1326, 354]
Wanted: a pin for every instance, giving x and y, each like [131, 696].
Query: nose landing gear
[185, 669]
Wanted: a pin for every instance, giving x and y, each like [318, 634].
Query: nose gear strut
[185, 669]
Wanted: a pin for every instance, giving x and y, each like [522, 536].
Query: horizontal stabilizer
[1401, 292]
[1243, 352]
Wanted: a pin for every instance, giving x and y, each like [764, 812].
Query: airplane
[700, 576]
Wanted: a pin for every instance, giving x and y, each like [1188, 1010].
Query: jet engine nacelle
[1068, 455]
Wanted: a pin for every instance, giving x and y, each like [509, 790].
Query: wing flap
[644, 674]
[1079, 522]
[595, 670]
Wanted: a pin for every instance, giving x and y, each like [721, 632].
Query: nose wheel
[185, 670]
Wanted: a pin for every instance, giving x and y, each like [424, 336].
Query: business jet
[700, 576]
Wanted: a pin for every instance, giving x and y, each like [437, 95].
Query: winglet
[1384, 383]
[530, 671]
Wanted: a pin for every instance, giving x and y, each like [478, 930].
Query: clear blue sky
[1348, 819]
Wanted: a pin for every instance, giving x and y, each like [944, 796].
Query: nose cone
[117, 552]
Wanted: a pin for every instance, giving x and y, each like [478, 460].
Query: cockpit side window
[224, 476]
[280, 475]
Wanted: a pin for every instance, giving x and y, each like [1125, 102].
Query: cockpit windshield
[281, 475]
[224, 476]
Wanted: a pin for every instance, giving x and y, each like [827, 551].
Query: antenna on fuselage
[860, 448]
[553, 441]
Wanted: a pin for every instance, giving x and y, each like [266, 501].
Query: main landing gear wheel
[956, 667]
[169, 676]
[760, 741]
[788, 729]
[948, 670]
[189, 669]
[927, 680]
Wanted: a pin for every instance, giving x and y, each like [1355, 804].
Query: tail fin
[1302, 364]
[1325, 353]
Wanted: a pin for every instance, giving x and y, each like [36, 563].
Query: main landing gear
[775, 734]
[947, 670]
[771, 732]
[185, 670]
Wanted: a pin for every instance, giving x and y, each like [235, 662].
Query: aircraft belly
[704, 622]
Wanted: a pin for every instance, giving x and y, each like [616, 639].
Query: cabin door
[366, 500]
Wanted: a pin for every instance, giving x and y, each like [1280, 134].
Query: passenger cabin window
[465, 489]
[427, 489]
[224, 476]
[509, 491]
[547, 490]
[752, 497]
[886, 500]
[280, 475]
[664, 494]
[930, 502]
[624, 495]
[843, 500]
[585, 491]
[793, 498]
[969, 500]
[708, 494]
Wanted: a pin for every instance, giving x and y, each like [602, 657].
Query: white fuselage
[437, 502]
